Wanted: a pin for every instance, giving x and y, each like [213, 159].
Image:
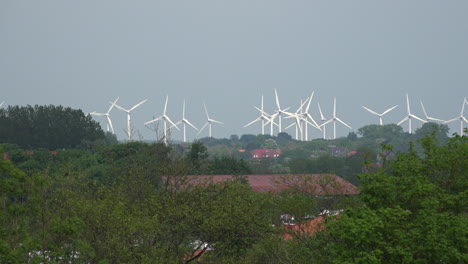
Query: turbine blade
[119, 107]
[403, 120]
[277, 100]
[154, 120]
[424, 110]
[320, 110]
[388, 110]
[451, 120]
[312, 119]
[435, 119]
[290, 125]
[216, 121]
[203, 127]
[372, 112]
[206, 111]
[310, 101]
[110, 123]
[407, 104]
[418, 118]
[190, 124]
[327, 122]
[183, 110]
[334, 106]
[112, 105]
[463, 107]
[97, 114]
[137, 105]
[255, 120]
[170, 121]
[342, 122]
[165, 105]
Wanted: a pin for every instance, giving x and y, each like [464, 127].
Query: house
[265, 153]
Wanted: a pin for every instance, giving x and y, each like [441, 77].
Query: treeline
[51, 127]
[132, 203]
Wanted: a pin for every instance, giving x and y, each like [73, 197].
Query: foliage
[51, 127]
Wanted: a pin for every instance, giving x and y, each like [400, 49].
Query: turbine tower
[409, 116]
[298, 120]
[380, 115]
[129, 111]
[306, 115]
[461, 117]
[280, 111]
[208, 122]
[166, 119]
[184, 121]
[322, 119]
[110, 127]
[428, 117]
[263, 117]
[270, 119]
[334, 119]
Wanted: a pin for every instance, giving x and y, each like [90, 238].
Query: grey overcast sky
[86, 53]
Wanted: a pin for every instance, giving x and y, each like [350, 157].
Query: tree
[414, 211]
[51, 127]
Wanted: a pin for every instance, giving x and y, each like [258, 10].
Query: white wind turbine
[208, 122]
[298, 116]
[428, 117]
[263, 117]
[334, 119]
[184, 121]
[409, 116]
[461, 117]
[110, 127]
[307, 115]
[280, 111]
[322, 119]
[270, 119]
[2, 103]
[165, 119]
[129, 111]
[382, 114]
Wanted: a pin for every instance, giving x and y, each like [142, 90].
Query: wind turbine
[298, 120]
[107, 115]
[334, 119]
[280, 111]
[184, 121]
[409, 116]
[428, 117]
[129, 111]
[322, 119]
[380, 115]
[208, 122]
[307, 115]
[263, 117]
[270, 119]
[166, 119]
[2, 103]
[460, 117]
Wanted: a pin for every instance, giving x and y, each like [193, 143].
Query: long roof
[318, 184]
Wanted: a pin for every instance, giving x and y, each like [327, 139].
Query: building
[265, 153]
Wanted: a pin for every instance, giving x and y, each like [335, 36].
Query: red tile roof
[306, 228]
[318, 184]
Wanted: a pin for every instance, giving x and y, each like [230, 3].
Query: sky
[228, 54]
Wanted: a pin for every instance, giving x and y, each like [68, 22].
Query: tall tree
[51, 127]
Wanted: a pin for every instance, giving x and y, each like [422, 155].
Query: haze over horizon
[84, 54]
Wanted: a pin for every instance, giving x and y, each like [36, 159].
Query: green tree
[51, 127]
[414, 211]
